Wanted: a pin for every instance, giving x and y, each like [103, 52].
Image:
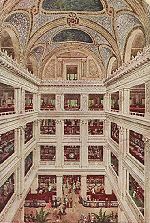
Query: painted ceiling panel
[72, 5]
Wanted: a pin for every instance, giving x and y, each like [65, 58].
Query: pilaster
[147, 181]
[84, 186]
[59, 149]
[84, 144]
[84, 102]
[108, 188]
[147, 96]
[126, 101]
[18, 100]
[59, 102]
[59, 183]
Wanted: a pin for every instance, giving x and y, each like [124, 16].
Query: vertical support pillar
[22, 162]
[35, 101]
[38, 101]
[107, 102]
[59, 149]
[84, 144]
[59, 102]
[23, 101]
[120, 101]
[84, 186]
[147, 96]
[59, 183]
[18, 100]
[147, 181]
[84, 102]
[126, 101]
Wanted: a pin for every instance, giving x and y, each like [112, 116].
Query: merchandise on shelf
[72, 102]
[95, 153]
[72, 153]
[47, 102]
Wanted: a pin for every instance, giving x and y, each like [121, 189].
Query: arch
[32, 65]
[135, 43]
[72, 35]
[10, 43]
[112, 66]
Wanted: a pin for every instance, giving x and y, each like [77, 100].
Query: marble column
[59, 149]
[147, 96]
[84, 144]
[126, 101]
[59, 184]
[84, 186]
[147, 181]
[38, 101]
[18, 100]
[84, 102]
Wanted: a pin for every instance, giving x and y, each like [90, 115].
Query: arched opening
[32, 65]
[135, 44]
[112, 66]
[7, 44]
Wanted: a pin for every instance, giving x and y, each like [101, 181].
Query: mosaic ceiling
[102, 27]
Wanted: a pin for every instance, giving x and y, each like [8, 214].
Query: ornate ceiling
[45, 27]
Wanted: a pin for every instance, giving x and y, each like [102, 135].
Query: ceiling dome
[116, 30]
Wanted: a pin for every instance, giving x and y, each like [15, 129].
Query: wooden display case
[95, 102]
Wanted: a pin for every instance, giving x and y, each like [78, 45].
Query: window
[72, 72]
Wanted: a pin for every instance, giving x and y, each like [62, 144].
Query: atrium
[74, 110]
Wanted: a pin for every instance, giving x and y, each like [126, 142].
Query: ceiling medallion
[72, 19]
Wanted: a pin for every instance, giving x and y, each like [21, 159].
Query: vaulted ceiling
[43, 28]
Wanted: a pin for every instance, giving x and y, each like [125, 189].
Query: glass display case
[48, 102]
[115, 101]
[28, 101]
[95, 102]
[72, 102]
[95, 153]
[95, 127]
[71, 127]
[137, 193]
[47, 153]
[115, 132]
[71, 153]
[136, 145]
[114, 163]
[28, 163]
[28, 132]
[48, 127]
[6, 99]
[137, 100]
[7, 145]
[6, 192]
